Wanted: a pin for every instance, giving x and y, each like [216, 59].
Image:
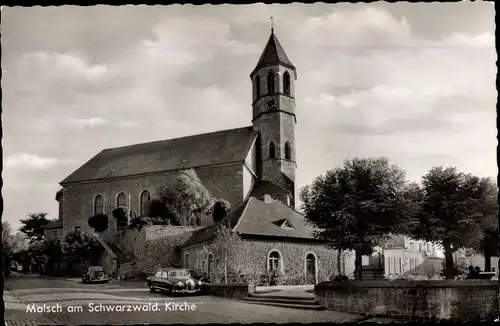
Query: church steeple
[273, 94]
[273, 54]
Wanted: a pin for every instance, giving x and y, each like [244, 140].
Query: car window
[173, 274]
[159, 274]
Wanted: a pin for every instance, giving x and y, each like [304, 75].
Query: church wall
[254, 257]
[251, 159]
[222, 181]
[248, 181]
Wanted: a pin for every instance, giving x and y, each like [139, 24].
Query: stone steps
[295, 302]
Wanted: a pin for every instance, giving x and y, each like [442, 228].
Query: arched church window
[274, 261]
[288, 151]
[145, 200]
[270, 83]
[121, 200]
[286, 83]
[272, 150]
[98, 205]
[257, 86]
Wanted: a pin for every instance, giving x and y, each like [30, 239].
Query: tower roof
[273, 54]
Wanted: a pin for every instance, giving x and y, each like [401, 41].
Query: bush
[120, 214]
[270, 278]
[99, 222]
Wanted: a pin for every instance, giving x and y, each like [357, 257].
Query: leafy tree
[99, 222]
[161, 214]
[220, 209]
[32, 225]
[78, 247]
[186, 198]
[356, 206]
[454, 209]
[227, 245]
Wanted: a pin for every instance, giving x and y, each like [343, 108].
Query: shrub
[99, 222]
[271, 278]
[120, 214]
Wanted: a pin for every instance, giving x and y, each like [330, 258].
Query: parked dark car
[174, 281]
[94, 274]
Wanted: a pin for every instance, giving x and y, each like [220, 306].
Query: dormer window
[287, 224]
[284, 224]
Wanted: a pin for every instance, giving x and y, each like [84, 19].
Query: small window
[203, 266]
[288, 151]
[270, 83]
[217, 262]
[388, 246]
[121, 200]
[186, 261]
[257, 86]
[493, 269]
[286, 83]
[210, 263]
[274, 261]
[272, 150]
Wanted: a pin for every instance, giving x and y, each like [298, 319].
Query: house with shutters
[252, 167]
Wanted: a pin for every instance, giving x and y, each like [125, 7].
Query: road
[70, 294]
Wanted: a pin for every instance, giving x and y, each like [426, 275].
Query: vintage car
[174, 281]
[95, 274]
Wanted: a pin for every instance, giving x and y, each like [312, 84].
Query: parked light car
[174, 281]
[95, 274]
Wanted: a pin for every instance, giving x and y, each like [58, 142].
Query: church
[253, 168]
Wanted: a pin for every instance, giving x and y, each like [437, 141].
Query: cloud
[27, 161]
[414, 82]
[96, 122]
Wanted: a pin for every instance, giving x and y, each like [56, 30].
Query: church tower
[273, 81]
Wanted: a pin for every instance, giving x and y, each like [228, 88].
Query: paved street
[70, 294]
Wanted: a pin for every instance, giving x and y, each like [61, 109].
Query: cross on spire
[272, 25]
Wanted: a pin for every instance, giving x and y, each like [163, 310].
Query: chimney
[268, 199]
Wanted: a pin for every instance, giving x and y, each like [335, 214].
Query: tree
[160, 214]
[186, 198]
[99, 222]
[220, 209]
[78, 247]
[356, 206]
[453, 212]
[7, 249]
[32, 225]
[227, 245]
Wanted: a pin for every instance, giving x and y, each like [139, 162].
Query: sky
[414, 82]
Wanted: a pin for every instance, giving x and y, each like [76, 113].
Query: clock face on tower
[271, 104]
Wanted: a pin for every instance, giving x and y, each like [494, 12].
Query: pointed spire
[273, 54]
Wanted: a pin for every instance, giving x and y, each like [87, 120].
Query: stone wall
[225, 181]
[153, 246]
[235, 290]
[461, 300]
[253, 257]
